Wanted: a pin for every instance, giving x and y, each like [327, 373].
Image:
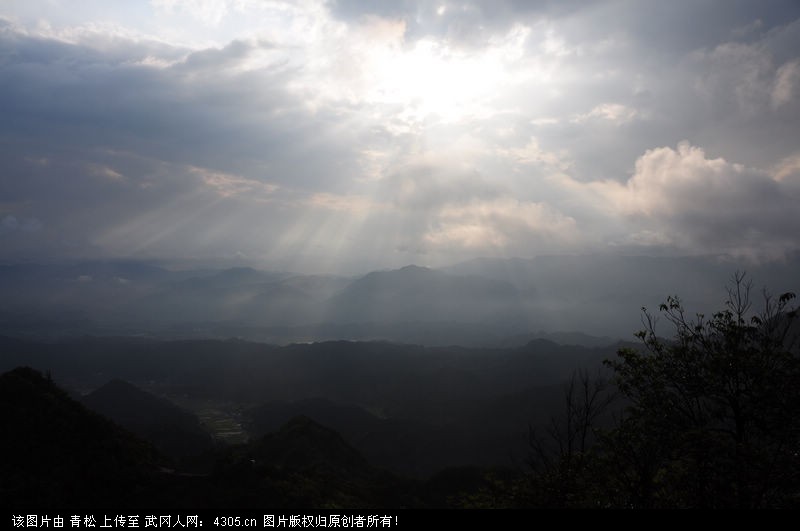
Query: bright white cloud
[787, 84]
[613, 112]
[494, 226]
[227, 185]
[681, 198]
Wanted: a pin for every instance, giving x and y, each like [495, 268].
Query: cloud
[787, 84]
[612, 112]
[207, 11]
[104, 172]
[736, 77]
[787, 169]
[682, 198]
[318, 132]
[10, 223]
[496, 225]
[430, 185]
[233, 121]
[227, 185]
[450, 209]
[464, 23]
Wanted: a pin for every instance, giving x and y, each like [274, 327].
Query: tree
[714, 413]
[562, 461]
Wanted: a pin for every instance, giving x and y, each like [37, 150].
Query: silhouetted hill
[351, 421]
[55, 453]
[416, 294]
[429, 408]
[407, 447]
[374, 375]
[305, 464]
[562, 338]
[303, 444]
[172, 430]
[486, 430]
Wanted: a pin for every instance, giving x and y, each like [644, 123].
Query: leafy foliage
[718, 403]
[711, 416]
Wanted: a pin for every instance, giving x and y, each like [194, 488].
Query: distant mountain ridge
[481, 302]
[415, 293]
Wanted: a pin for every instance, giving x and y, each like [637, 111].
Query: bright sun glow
[432, 80]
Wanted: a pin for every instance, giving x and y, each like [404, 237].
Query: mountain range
[410, 409]
[483, 302]
[57, 454]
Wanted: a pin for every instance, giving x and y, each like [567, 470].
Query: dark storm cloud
[95, 141]
[212, 59]
[195, 111]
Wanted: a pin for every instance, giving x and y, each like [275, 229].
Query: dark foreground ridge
[174, 431]
[59, 454]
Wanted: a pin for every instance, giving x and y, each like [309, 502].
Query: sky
[350, 135]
